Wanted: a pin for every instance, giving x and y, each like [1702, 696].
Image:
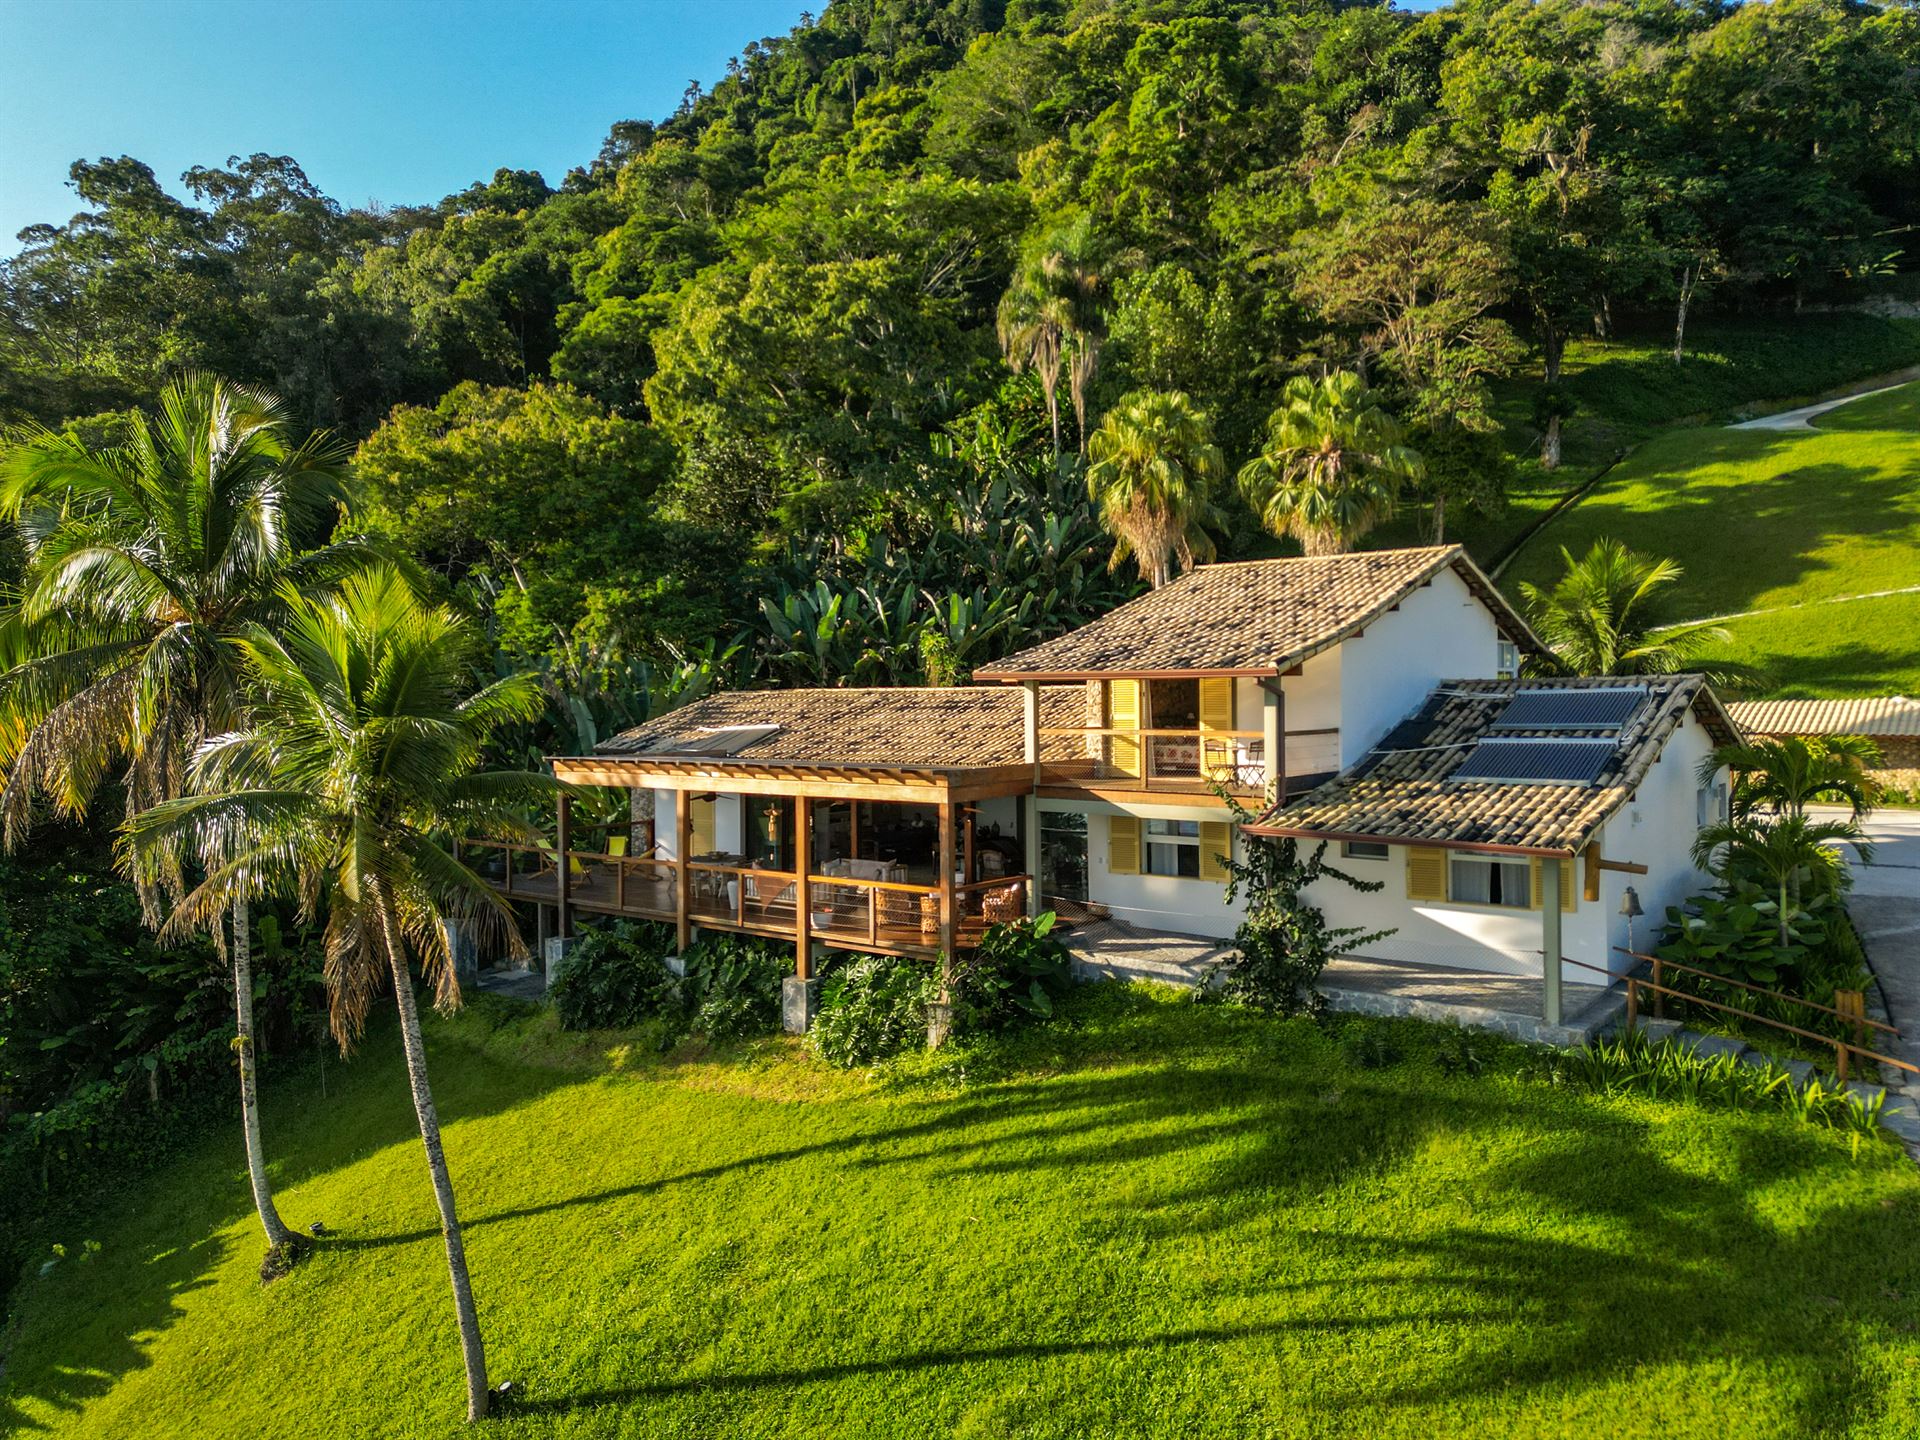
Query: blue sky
[400, 101]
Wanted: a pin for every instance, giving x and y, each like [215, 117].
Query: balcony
[845, 911]
[1190, 762]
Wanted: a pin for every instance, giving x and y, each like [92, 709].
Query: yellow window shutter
[1567, 897]
[1123, 713]
[1123, 845]
[1426, 873]
[701, 817]
[1216, 713]
[1216, 840]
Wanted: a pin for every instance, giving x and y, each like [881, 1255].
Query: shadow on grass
[938, 1359]
[1655, 1264]
[366, 1107]
[150, 1290]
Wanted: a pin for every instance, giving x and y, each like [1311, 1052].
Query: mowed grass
[1774, 520]
[1150, 1219]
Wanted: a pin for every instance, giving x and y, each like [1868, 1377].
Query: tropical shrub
[733, 985]
[1632, 1064]
[1284, 942]
[616, 977]
[872, 1009]
[1018, 971]
[1736, 933]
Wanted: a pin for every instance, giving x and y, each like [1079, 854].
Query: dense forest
[771, 389]
[804, 382]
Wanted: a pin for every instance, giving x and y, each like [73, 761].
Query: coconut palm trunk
[270, 1221]
[472, 1350]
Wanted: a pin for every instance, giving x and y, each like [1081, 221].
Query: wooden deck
[846, 913]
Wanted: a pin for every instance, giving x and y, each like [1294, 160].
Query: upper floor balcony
[1183, 761]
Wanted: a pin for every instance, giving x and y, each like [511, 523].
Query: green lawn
[1152, 1219]
[1773, 520]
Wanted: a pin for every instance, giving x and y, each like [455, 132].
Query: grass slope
[1152, 1218]
[1776, 519]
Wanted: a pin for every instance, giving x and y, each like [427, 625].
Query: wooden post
[1853, 1005]
[1840, 1061]
[563, 836]
[1030, 802]
[1659, 994]
[802, 899]
[966, 857]
[947, 858]
[1273, 737]
[682, 876]
[1633, 1004]
[1550, 936]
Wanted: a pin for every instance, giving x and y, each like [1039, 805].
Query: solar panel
[1548, 762]
[1605, 708]
[716, 740]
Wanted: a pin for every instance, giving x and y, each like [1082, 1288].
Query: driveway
[1800, 417]
[1885, 906]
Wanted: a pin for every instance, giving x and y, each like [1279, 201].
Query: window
[1479, 881]
[1710, 804]
[1173, 848]
[1363, 850]
[1507, 664]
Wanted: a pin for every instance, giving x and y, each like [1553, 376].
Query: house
[1891, 721]
[1369, 700]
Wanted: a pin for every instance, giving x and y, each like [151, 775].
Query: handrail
[1190, 734]
[1843, 1049]
[1667, 964]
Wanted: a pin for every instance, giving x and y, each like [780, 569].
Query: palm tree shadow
[133, 1300]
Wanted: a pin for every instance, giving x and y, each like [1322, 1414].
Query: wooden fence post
[1659, 994]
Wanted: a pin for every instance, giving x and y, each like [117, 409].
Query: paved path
[1885, 906]
[1799, 419]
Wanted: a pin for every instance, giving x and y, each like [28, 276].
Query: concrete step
[1711, 1045]
[1158, 971]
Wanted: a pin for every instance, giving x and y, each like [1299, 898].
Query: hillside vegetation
[1792, 523]
[1157, 1210]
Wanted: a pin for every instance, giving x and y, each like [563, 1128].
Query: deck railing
[1190, 760]
[1857, 1026]
[842, 909]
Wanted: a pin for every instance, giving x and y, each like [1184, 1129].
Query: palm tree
[1789, 851]
[1051, 315]
[1332, 466]
[1786, 774]
[1595, 618]
[141, 561]
[1033, 326]
[358, 762]
[1154, 473]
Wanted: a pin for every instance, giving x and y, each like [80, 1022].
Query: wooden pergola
[947, 791]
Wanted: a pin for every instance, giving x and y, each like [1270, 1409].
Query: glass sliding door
[1063, 856]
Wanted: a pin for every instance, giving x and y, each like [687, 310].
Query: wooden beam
[682, 877]
[1273, 736]
[563, 839]
[948, 927]
[802, 900]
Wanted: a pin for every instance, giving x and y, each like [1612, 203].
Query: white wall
[1654, 828]
[1468, 937]
[1154, 902]
[1440, 632]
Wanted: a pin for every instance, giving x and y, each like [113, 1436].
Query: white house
[1367, 700]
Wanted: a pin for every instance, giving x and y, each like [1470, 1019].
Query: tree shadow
[150, 1289]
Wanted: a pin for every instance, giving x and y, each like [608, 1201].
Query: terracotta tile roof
[959, 728]
[1886, 716]
[1403, 790]
[1255, 617]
